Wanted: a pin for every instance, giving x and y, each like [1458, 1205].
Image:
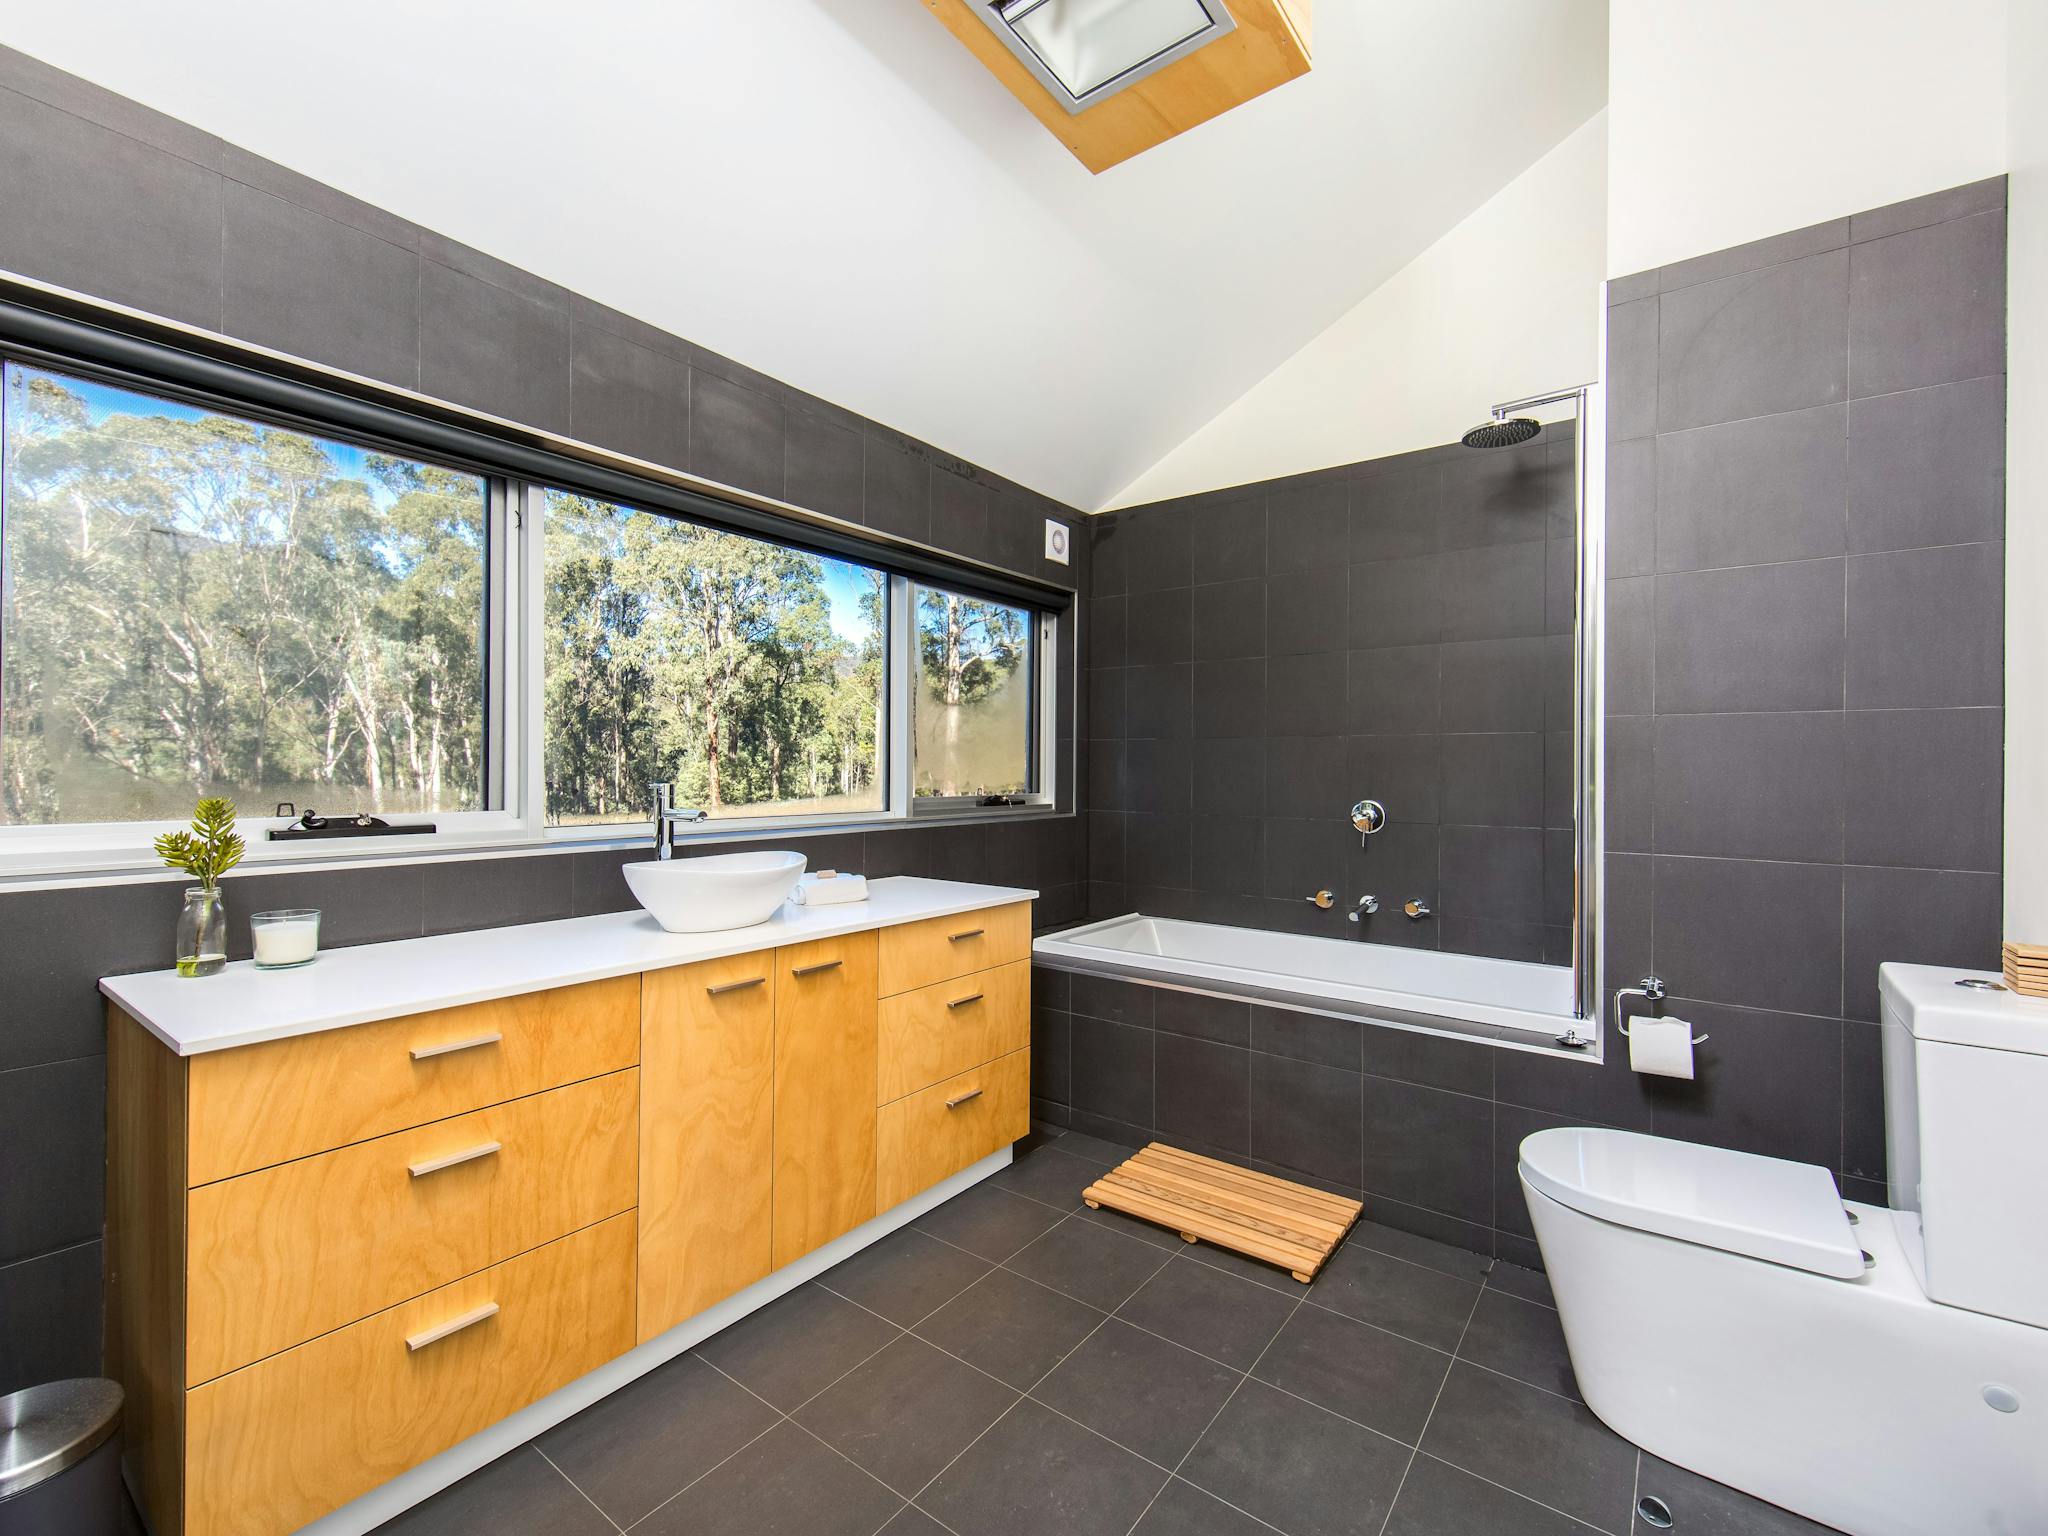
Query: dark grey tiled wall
[1265, 656]
[109, 198]
[1804, 753]
[1422, 1127]
[1806, 509]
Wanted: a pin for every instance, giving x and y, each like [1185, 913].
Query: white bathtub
[1512, 1001]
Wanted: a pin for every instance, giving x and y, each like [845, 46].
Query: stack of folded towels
[828, 887]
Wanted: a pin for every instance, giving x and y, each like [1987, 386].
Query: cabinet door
[707, 1149]
[824, 1091]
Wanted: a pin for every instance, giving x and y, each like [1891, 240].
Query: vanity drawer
[941, 1030]
[284, 1441]
[285, 1254]
[930, 1135]
[261, 1104]
[940, 948]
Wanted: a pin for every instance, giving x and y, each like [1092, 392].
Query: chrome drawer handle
[440, 1331]
[467, 1155]
[962, 1002]
[812, 970]
[422, 1052]
[735, 986]
[971, 933]
[958, 1100]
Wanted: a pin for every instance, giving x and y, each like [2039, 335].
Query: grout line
[1635, 1492]
[1221, 1408]
[1564, 1514]
[1416, 1450]
[565, 1477]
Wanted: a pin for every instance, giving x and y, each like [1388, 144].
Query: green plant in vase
[208, 851]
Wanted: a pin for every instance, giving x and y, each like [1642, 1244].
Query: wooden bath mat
[1271, 1219]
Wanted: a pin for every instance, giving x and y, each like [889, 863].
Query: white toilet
[1881, 1371]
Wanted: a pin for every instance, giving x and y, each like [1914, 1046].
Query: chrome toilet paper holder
[1651, 990]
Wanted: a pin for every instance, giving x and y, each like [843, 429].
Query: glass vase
[202, 932]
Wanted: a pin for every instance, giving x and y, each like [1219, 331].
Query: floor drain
[1654, 1512]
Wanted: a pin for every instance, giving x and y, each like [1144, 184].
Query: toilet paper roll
[1660, 1047]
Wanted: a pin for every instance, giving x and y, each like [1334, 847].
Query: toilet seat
[1761, 1207]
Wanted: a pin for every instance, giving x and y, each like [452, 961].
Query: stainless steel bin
[60, 1460]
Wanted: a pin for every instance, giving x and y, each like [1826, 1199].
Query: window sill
[128, 863]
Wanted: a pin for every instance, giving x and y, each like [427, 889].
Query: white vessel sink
[715, 891]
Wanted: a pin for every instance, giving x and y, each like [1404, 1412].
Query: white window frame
[514, 717]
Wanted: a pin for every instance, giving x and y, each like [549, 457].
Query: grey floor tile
[1049, 1175]
[1271, 1276]
[912, 1521]
[1131, 1226]
[789, 1483]
[1089, 1264]
[1439, 1500]
[991, 1223]
[1390, 1293]
[1548, 1447]
[1382, 1380]
[1148, 1395]
[906, 1276]
[1529, 1284]
[906, 1413]
[1426, 1251]
[1701, 1507]
[1295, 1466]
[794, 1348]
[1011, 1327]
[1094, 1149]
[1182, 1509]
[519, 1494]
[1036, 1472]
[1207, 1309]
[630, 1451]
[1520, 1339]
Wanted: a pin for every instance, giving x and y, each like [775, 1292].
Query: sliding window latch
[1572, 1040]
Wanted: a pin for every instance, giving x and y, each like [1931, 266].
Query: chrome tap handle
[1368, 816]
[1416, 908]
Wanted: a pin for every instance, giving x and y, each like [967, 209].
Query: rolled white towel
[828, 888]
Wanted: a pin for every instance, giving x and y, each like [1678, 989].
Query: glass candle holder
[285, 938]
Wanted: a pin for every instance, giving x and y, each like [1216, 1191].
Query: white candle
[288, 943]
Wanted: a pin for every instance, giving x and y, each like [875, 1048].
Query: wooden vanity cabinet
[332, 1256]
[707, 1134]
[824, 1091]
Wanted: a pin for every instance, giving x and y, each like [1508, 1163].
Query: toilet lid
[1764, 1207]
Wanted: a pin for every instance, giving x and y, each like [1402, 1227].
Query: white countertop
[242, 1005]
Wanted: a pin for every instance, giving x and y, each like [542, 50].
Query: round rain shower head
[1502, 433]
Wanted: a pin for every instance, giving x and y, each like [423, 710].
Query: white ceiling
[837, 193]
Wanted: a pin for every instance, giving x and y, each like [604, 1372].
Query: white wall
[1745, 118]
[2026, 483]
[1507, 303]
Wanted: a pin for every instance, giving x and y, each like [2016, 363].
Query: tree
[201, 604]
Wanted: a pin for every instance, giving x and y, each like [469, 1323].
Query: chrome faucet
[1367, 905]
[666, 815]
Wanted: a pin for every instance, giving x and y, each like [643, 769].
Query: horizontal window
[750, 675]
[200, 604]
[200, 597]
